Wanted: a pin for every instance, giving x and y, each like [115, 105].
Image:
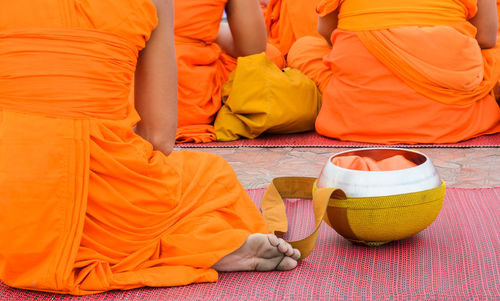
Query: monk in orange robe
[404, 71]
[497, 90]
[88, 205]
[289, 20]
[206, 51]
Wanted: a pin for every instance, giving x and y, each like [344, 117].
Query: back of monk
[498, 38]
[402, 72]
[287, 21]
[86, 204]
[202, 67]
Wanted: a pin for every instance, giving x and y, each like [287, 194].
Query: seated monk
[287, 21]
[497, 90]
[87, 205]
[206, 51]
[409, 71]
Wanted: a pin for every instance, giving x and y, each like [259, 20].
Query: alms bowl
[383, 206]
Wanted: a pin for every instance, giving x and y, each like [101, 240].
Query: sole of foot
[260, 252]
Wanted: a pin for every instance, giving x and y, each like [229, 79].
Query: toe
[285, 248]
[282, 246]
[291, 251]
[273, 240]
[296, 254]
[268, 264]
[287, 264]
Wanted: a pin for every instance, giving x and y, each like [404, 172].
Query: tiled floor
[459, 167]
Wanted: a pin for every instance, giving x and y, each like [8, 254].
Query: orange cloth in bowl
[370, 164]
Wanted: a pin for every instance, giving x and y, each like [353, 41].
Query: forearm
[327, 24]
[158, 110]
[247, 27]
[225, 40]
[158, 123]
[486, 22]
[156, 84]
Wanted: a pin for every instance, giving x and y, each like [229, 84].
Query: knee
[275, 56]
[302, 49]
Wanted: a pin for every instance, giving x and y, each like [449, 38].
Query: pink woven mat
[312, 139]
[456, 258]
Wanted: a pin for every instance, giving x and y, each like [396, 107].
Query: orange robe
[498, 38]
[202, 67]
[86, 204]
[396, 74]
[287, 21]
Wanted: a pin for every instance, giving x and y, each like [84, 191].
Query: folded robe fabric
[86, 205]
[259, 97]
[402, 72]
[288, 21]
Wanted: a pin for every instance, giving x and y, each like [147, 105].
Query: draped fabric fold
[287, 21]
[426, 60]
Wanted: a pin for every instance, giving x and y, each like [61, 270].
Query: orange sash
[422, 48]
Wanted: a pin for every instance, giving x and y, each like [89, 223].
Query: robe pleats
[86, 205]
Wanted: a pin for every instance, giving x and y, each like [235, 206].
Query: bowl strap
[273, 207]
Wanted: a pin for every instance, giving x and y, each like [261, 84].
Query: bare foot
[260, 252]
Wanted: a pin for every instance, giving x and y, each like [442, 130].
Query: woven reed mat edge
[304, 140]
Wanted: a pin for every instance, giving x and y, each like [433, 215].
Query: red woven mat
[456, 258]
[312, 139]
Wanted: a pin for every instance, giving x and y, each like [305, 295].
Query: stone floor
[459, 167]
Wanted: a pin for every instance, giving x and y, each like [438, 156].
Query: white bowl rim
[427, 159]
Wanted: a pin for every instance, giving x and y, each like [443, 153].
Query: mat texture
[456, 258]
[312, 139]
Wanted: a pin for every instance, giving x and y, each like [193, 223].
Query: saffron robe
[86, 205]
[287, 21]
[203, 67]
[397, 74]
